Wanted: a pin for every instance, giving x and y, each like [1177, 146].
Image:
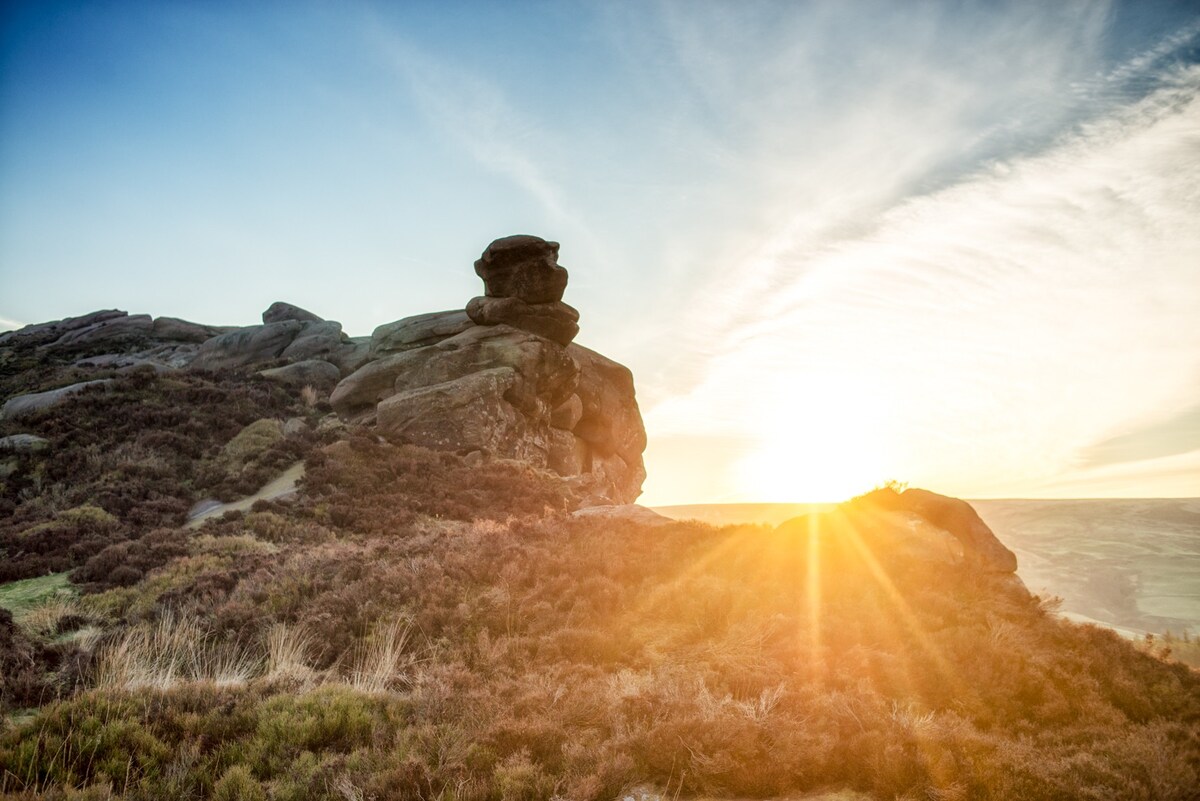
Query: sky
[951, 244]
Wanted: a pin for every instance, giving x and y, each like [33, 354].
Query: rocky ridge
[501, 378]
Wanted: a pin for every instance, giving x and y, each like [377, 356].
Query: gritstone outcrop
[505, 378]
[501, 377]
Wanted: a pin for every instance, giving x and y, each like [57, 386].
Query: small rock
[279, 311]
[311, 372]
[330, 422]
[567, 414]
[294, 427]
[623, 513]
[23, 443]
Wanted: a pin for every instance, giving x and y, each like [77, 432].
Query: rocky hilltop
[501, 378]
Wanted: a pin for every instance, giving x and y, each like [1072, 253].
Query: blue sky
[837, 242]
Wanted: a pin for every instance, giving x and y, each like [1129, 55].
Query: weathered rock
[611, 421]
[22, 405]
[23, 443]
[555, 321]
[294, 427]
[524, 267]
[546, 374]
[315, 340]
[114, 329]
[175, 330]
[45, 333]
[566, 454]
[311, 372]
[419, 331]
[360, 391]
[468, 413]
[350, 356]
[980, 545]
[252, 345]
[567, 414]
[279, 311]
[623, 513]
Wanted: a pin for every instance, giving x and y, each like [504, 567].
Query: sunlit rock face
[505, 380]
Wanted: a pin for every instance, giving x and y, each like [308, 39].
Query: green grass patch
[21, 596]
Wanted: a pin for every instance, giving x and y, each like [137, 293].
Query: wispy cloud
[988, 332]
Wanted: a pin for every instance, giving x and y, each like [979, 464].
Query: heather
[404, 631]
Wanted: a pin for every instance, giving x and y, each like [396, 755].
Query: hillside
[419, 622]
[1129, 564]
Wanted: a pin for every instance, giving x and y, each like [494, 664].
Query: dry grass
[379, 664]
[173, 650]
[288, 649]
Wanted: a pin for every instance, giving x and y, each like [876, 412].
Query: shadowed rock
[979, 544]
[524, 267]
[555, 321]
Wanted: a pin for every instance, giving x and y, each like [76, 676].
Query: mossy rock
[249, 443]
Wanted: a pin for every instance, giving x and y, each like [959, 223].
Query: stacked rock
[523, 285]
[505, 379]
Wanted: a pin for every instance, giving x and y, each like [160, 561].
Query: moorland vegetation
[418, 624]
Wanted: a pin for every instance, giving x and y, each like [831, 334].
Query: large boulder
[980, 546]
[546, 375]
[311, 372]
[46, 333]
[23, 443]
[255, 344]
[315, 340]
[465, 414]
[126, 328]
[418, 331]
[20, 406]
[174, 329]
[279, 311]
[556, 321]
[524, 267]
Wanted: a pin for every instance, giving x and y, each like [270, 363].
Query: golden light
[817, 446]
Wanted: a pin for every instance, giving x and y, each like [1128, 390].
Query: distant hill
[1130, 564]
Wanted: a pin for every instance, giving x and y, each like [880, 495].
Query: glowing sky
[951, 244]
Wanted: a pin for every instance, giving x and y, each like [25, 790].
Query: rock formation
[504, 379]
[980, 546]
[501, 377]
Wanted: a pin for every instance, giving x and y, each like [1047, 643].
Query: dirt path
[281, 486]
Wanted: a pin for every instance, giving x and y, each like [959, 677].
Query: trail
[282, 486]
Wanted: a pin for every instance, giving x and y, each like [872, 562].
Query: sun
[822, 449]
